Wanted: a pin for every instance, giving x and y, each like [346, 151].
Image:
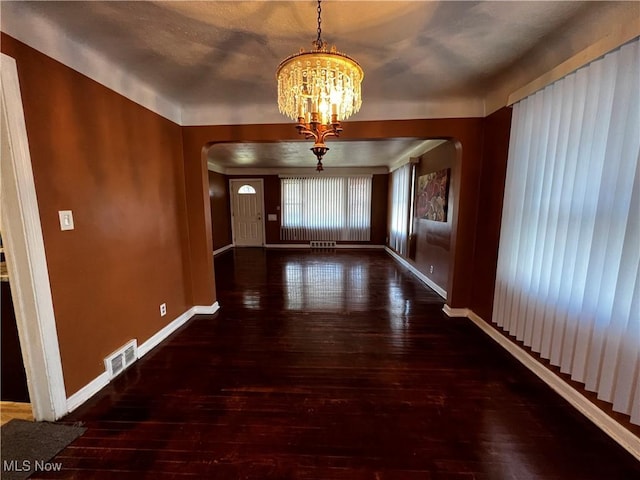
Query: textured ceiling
[374, 153]
[219, 57]
[227, 51]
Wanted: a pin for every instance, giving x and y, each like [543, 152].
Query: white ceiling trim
[213, 167]
[44, 36]
[427, 148]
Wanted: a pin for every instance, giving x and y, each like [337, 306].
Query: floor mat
[28, 447]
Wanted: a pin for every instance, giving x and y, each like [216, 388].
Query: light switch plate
[66, 220]
[272, 217]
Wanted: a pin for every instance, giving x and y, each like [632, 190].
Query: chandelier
[319, 88]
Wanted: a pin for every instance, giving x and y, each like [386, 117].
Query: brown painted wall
[433, 239]
[379, 209]
[119, 168]
[199, 226]
[272, 201]
[220, 210]
[467, 131]
[494, 167]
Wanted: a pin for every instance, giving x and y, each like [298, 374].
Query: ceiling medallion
[319, 88]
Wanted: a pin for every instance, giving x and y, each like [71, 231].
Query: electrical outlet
[431, 269]
[163, 309]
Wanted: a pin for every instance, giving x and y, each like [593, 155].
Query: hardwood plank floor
[332, 365]
[12, 410]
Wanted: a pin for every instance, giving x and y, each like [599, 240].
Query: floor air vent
[323, 244]
[119, 360]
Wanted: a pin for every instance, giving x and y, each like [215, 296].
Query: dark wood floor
[324, 365]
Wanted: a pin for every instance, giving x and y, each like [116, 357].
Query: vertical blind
[326, 208]
[400, 190]
[568, 281]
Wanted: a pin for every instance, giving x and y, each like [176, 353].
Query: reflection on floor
[332, 366]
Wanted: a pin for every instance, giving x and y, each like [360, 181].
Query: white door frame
[25, 255]
[231, 194]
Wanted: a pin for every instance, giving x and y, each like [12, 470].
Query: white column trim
[26, 259]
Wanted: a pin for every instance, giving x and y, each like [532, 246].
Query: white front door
[246, 211]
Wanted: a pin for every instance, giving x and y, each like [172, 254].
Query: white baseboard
[608, 425]
[88, 391]
[287, 245]
[202, 310]
[430, 283]
[456, 312]
[163, 333]
[222, 249]
[339, 246]
[102, 380]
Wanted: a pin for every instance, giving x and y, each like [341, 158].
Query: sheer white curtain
[568, 281]
[326, 208]
[400, 191]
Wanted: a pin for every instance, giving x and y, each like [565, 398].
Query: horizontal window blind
[326, 208]
[568, 282]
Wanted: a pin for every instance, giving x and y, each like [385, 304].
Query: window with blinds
[568, 279]
[326, 208]
[400, 203]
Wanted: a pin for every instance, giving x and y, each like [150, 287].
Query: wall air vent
[116, 365]
[322, 244]
[130, 354]
[119, 360]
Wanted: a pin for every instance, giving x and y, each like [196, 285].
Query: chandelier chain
[319, 43]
